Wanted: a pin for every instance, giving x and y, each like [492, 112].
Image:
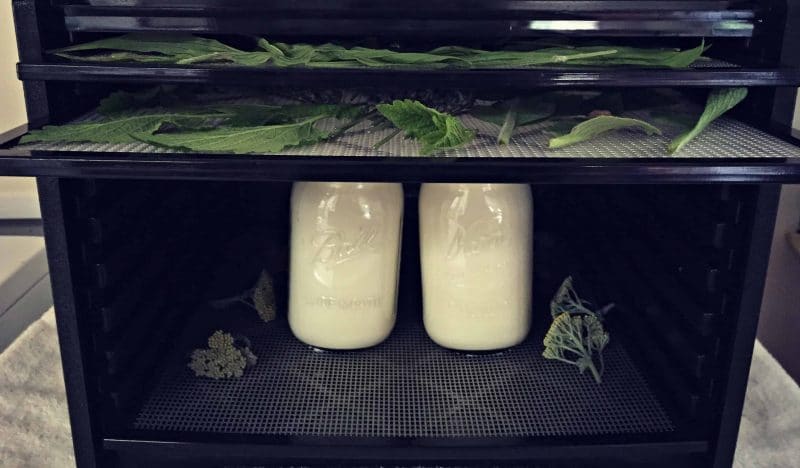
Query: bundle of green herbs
[203, 127]
[574, 117]
[175, 119]
[182, 49]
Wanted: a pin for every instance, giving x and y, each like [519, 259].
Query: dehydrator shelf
[487, 19]
[405, 393]
[724, 138]
[423, 8]
[712, 73]
[728, 150]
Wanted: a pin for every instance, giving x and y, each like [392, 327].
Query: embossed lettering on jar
[477, 263]
[344, 262]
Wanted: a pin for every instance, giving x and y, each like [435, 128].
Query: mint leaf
[435, 130]
[598, 125]
[719, 101]
[240, 140]
[119, 129]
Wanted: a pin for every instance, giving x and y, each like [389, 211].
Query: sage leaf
[435, 130]
[240, 140]
[719, 101]
[589, 129]
[119, 129]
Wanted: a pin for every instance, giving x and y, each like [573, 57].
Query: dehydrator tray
[712, 72]
[725, 138]
[407, 387]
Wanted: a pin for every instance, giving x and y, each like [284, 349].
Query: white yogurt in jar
[476, 243]
[345, 254]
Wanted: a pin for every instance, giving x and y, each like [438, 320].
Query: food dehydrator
[140, 239]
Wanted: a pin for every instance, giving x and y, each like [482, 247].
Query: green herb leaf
[719, 101]
[598, 125]
[179, 49]
[120, 129]
[250, 115]
[240, 140]
[646, 57]
[525, 112]
[435, 130]
[187, 50]
[509, 123]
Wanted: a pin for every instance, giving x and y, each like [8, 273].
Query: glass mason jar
[345, 254]
[476, 244]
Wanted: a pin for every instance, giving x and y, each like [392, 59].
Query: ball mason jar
[476, 244]
[345, 254]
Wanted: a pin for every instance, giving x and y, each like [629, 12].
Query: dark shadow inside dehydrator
[156, 252]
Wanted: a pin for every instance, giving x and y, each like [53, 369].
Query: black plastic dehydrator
[139, 239]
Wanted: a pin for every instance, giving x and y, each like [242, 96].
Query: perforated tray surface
[724, 138]
[405, 387]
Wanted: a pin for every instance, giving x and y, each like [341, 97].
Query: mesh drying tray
[724, 138]
[405, 387]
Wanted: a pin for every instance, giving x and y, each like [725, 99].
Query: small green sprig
[576, 336]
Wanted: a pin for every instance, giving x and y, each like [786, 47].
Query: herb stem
[387, 139]
[229, 301]
[584, 55]
[352, 124]
[595, 374]
[509, 123]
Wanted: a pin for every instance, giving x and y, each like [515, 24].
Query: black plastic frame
[442, 18]
[93, 442]
[742, 331]
[508, 79]
[417, 169]
[412, 8]
[38, 22]
[72, 337]
[398, 452]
